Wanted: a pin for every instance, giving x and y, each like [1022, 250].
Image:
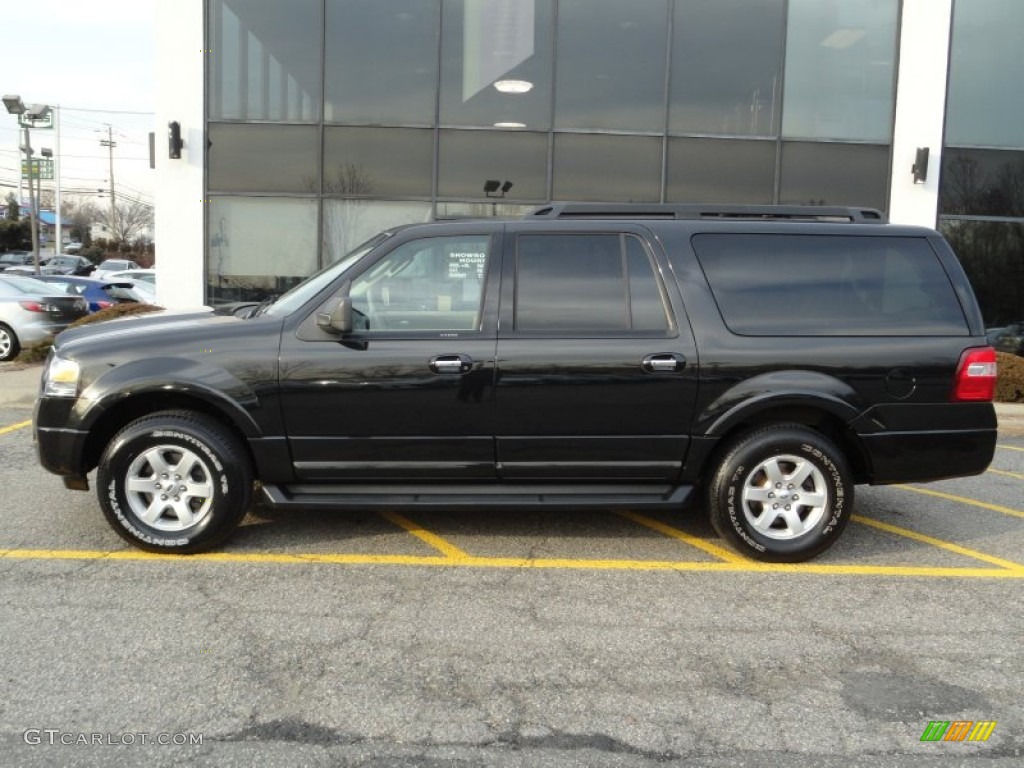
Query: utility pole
[110, 144]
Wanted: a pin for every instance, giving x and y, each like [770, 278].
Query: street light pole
[33, 212]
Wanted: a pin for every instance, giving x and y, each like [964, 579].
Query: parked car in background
[31, 310]
[15, 259]
[72, 247]
[1008, 339]
[99, 293]
[114, 265]
[66, 264]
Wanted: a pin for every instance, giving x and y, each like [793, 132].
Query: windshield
[27, 285]
[311, 286]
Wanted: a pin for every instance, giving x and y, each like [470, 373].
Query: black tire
[785, 528]
[214, 483]
[9, 344]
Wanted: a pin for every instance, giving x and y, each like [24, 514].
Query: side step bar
[489, 497]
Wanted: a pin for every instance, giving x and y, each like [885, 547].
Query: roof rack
[842, 215]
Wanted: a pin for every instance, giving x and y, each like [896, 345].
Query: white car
[110, 266]
[143, 281]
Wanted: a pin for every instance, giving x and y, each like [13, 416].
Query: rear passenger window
[808, 285]
[586, 284]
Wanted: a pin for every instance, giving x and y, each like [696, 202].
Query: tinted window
[433, 284]
[791, 285]
[586, 284]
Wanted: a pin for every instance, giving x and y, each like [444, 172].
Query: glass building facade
[328, 120]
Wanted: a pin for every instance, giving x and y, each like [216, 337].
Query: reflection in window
[611, 65]
[834, 174]
[986, 66]
[840, 70]
[600, 167]
[263, 158]
[470, 161]
[432, 284]
[381, 61]
[496, 63]
[727, 89]
[585, 284]
[982, 182]
[720, 171]
[378, 162]
[348, 223]
[258, 246]
[265, 60]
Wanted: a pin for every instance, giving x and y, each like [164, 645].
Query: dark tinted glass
[792, 285]
[992, 254]
[601, 167]
[986, 64]
[834, 174]
[611, 65]
[840, 65]
[720, 171]
[263, 158]
[496, 64]
[982, 182]
[586, 284]
[381, 64]
[727, 89]
[470, 159]
[375, 162]
[264, 59]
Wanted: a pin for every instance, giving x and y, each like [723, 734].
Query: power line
[107, 111]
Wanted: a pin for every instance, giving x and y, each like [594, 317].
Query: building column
[920, 109]
[180, 209]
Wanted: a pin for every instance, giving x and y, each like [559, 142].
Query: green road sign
[42, 168]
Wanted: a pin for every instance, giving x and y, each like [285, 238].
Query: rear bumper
[903, 457]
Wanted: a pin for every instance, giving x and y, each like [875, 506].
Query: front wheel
[175, 481]
[781, 494]
[9, 346]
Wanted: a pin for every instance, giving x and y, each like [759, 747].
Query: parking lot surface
[511, 639]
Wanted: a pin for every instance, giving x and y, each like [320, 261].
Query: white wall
[179, 189]
[920, 109]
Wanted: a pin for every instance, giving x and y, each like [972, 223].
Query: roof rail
[843, 215]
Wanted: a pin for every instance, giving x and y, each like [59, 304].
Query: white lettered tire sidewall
[740, 460]
[221, 468]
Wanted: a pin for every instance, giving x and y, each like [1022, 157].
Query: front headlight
[61, 378]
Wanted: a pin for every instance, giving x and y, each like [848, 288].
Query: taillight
[104, 304]
[33, 306]
[975, 376]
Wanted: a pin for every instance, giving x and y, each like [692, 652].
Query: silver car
[31, 311]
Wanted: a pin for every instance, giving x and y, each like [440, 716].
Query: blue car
[99, 293]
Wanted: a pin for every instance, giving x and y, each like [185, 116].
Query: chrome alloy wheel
[6, 342]
[169, 488]
[784, 497]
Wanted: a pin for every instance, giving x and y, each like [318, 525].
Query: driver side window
[431, 284]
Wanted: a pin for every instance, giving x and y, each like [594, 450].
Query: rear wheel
[9, 346]
[781, 494]
[175, 481]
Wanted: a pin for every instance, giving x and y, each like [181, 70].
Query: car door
[597, 376]
[408, 393]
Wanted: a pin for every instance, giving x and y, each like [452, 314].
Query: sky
[95, 59]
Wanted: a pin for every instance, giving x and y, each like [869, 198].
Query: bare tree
[129, 220]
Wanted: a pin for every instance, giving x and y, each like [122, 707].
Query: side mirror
[338, 320]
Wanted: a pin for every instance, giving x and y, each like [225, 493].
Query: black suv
[582, 357]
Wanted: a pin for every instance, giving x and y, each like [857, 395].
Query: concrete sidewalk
[19, 386]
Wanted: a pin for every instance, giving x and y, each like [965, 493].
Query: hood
[179, 322]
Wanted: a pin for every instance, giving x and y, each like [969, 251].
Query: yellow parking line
[446, 548]
[511, 562]
[946, 545]
[962, 500]
[675, 533]
[15, 427]
[1010, 448]
[1003, 472]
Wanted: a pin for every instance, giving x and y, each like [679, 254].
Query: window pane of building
[840, 65]
[378, 162]
[263, 158]
[986, 67]
[381, 61]
[611, 65]
[992, 254]
[720, 171]
[258, 246]
[496, 63]
[349, 223]
[834, 174]
[264, 62]
[728, 89]
[982, 182]
[470, 159]
[601, 167]
[478, 210]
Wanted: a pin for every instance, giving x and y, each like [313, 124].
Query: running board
[490, 497]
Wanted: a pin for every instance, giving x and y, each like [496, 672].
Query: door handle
[669, 362]
[457, 364]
